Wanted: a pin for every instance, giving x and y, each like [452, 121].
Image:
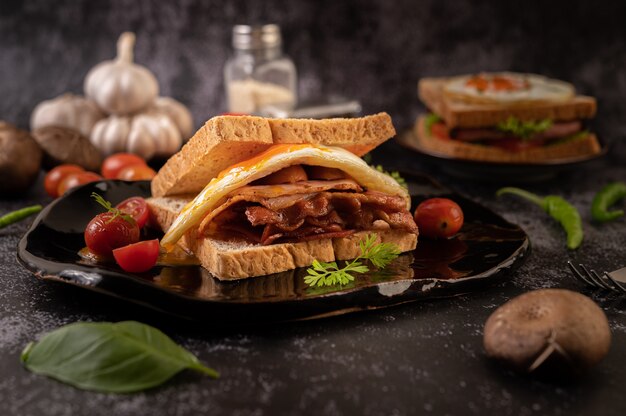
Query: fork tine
[598, 283]
[617, 285]
[601, 280]
[578, 275]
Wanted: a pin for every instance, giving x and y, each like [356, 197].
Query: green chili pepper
[19, 215]
[608, 196]
[559, 209]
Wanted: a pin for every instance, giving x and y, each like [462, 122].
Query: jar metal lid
[247, 37]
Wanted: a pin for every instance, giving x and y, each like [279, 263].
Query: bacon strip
[303, 217]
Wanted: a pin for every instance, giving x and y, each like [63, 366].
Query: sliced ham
[560, 130]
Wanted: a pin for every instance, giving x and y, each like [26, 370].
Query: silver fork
[610, 281]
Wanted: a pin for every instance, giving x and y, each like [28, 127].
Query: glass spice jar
[258, 74]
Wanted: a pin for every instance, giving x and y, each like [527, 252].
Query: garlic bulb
[67, 110]
[176, 111]
[146, 134]
[120, 86]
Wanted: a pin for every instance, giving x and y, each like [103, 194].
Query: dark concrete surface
[421, 358]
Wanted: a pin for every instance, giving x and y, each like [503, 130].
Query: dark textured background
[416, 359]
[374, 51]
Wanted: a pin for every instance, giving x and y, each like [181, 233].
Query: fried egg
[272, 160]
[507, 88]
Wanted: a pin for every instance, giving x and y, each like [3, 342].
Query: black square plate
[486, 249]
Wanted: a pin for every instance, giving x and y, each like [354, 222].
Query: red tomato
[139, 257]
[56, 175]
[137, 208]
[136, 173]
[440, 131]
[513, 144]
[438, 218]
[114, 163]
[75, 179]
[106, 232]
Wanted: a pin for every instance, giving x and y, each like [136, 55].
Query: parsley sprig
[329, 273]
[110, 208]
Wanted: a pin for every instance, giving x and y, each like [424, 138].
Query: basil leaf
[118, 357]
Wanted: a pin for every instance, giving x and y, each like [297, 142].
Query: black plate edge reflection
[48, 250]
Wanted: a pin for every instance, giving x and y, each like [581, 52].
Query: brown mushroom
[20, 159]
[66, 145]
[554, 328]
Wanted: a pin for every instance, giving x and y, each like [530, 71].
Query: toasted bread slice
[579, 147]
[457, 113]
[238, 260]
[226, 140]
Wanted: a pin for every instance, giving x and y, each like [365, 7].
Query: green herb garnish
[121, 357]
[394, 174]
[110, 208]
[431, 119]
[523, 129]
[329, 274]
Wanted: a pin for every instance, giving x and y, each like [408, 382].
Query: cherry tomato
[106, 232]
[136, 173]
[137, 208]
[75, 179]
[56, 175]
[438, 218]
[114, 163]
[440, 131]
[139, 257]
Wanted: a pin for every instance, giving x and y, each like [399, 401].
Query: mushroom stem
[125, 46]
[551, 347]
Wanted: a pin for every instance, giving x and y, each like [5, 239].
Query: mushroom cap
[20, 159]
[550, 321]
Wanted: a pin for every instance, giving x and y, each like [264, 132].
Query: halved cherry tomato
[75, 179]
[136, 173]
[137, 208]
[107, 231]
[138, 257]
[114, 163]
[438, 218]
[440, 131]
[56, 175]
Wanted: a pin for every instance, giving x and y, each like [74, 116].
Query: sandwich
[251, 196]
[505, 117]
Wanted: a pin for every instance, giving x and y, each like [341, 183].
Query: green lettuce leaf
[523, 129]
[431, 119]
